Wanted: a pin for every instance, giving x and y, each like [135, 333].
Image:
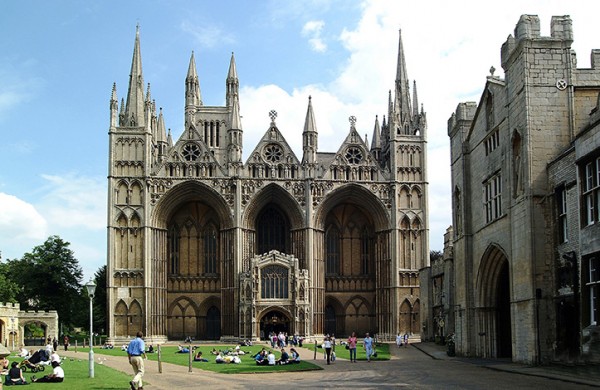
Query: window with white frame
[593, 286]
[492, 195]
[591, 192]
[561, 202]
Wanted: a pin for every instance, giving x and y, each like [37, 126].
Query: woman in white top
[327, 346]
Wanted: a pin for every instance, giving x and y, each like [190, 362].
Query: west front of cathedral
[203, 244]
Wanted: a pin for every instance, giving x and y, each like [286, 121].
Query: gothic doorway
[503, 319]
[274, 322]
[494, 323]
[213, 323]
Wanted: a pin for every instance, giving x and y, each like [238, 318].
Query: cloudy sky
[59, 60]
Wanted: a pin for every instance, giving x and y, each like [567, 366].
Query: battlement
[9, 305]
[464, 112]
[528, 28]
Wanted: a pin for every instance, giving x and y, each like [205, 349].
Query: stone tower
[205, 245]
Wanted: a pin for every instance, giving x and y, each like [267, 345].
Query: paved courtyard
[420, 366]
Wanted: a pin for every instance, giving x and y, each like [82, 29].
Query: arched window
[365, 251]
[274, 282]
[332, 241]
[210, 250]
[272, 230]
[173, 242]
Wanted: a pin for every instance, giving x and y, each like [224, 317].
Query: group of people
[282, 340]
[46, 355]
[267, 358]
[402, 340]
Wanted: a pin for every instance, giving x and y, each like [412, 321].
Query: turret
[161, 136]
[193, 96]
[235, 133]
[114, 107]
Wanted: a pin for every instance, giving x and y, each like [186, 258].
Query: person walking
[399, 339]
[136, 350]
[327, 347]
[405, 340]
[368, 346]
[352, 347]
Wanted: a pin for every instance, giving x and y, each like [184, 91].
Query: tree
[50, 279]
[8, 288]
[100, 300]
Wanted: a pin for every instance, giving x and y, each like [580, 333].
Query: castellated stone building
[525, 254]
[202, 244]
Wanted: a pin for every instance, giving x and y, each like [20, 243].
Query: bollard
[159, 355]
[75, 345]
[190, 359]
[315, 356]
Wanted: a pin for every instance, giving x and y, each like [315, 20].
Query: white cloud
[73, 201]
[20, 225]
[312, 30]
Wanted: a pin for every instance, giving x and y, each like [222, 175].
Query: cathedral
[203, 244]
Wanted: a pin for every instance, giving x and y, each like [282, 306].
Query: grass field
[77, 376]
[169, 355]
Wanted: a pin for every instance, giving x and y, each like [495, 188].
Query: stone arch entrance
[494, 325]
[275, 321]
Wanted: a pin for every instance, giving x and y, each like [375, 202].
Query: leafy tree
[8, 288]
[49, 278]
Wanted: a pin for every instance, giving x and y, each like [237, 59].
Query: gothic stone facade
[506, 249]
[202, 244]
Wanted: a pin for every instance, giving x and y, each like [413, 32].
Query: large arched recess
[188, 192]
[273, 194]
[359, 196]
[493, 304]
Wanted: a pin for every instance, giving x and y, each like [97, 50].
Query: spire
[402, 105]
[193, 97]
[233, 83]
[376, 140]
[134, 110]
[161, 133]
[367, 141]
[309, 137]
[169, 139]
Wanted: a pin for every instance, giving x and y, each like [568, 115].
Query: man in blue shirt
[136, 350]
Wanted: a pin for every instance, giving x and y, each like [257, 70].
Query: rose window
[273, 153]
[190, 152]
[354, 155]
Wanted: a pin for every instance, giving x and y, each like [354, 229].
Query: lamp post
[91, 288]
[14, 333]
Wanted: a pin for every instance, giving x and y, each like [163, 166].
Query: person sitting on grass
[295, 356]
[271, 358]
[261, 358]
[199, 358]
[285, 357]
[214, 352]
[15, 375]
[58, 375]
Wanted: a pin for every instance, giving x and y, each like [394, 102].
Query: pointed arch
[137, 194]
[122, 192]
[404, 316]
[273, 194]
[121, 323]
[404, 197]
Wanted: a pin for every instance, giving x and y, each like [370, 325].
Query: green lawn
[77, 376]
[383, 352]
[246, 366]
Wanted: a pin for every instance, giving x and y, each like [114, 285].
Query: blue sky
[59, 60]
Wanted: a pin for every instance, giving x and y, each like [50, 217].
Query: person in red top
[352, 347]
